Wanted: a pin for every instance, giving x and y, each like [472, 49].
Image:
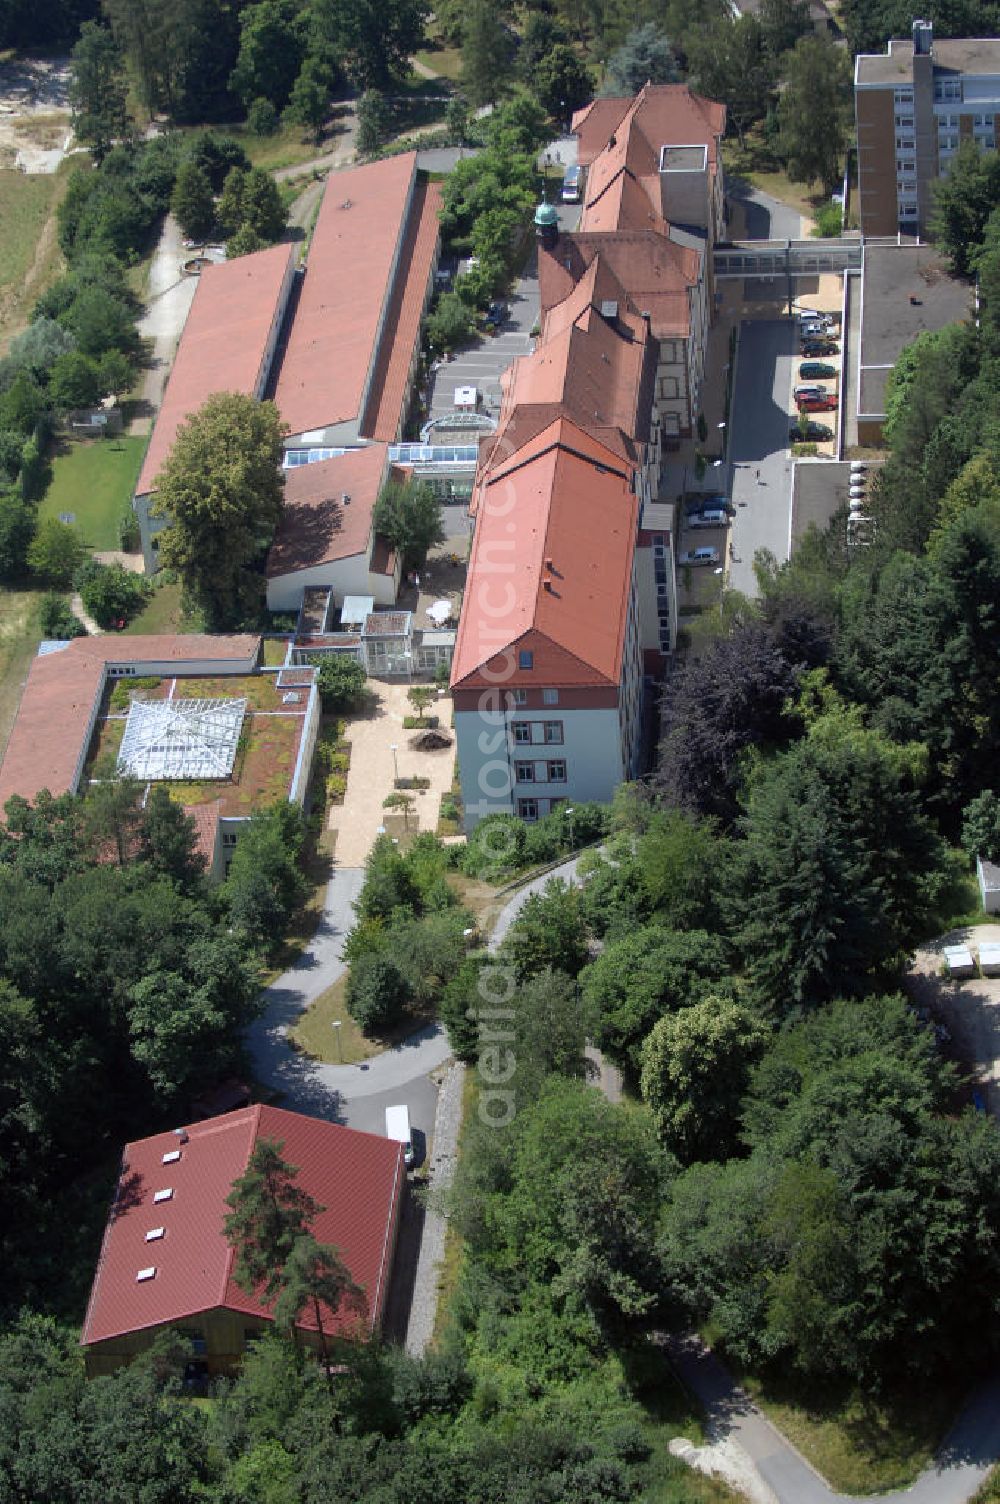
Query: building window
[198, 1344]
[524, 772]
[553, 733]
[520, 697]
[550, 697]
[557, 772]
[522, 731]
[528, 809]
[525, 658]
[904, 96]
[907, 211]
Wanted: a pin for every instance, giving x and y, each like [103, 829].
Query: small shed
[959, 961]
[988, 874]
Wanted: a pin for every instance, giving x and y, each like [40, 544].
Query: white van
[397, 1127]
[571, 186]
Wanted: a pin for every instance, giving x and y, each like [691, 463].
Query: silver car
[703, 555]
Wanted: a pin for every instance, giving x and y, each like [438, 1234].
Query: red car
[817, 404]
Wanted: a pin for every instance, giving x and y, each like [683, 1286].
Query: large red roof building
[336, 345]
[165, 1261]
[653, 208]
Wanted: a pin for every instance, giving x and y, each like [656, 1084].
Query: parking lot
[764, 411]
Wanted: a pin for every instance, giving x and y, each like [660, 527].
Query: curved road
[969, 1453]
[357, 1094]
[353, 1094]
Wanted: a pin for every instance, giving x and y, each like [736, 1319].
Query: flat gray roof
[683, 158]
[892, 276]
[819, 488]
[975, 56]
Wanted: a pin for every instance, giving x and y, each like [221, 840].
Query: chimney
[345, 497]
[547, 585]
[923, 38]
[549, 564]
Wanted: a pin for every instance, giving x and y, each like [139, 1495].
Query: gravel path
[447, 1122]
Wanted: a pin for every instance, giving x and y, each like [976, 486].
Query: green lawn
[94, 479]
[29, 251]
[164, 613]
[315, 1035]
[19, 637]
[445, 61]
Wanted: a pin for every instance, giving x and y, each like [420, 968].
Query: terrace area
[267, 748]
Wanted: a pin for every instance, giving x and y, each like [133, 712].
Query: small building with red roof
[326, 537]
[165, 1261]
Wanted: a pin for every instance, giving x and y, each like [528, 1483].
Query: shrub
[414, 723]
[110, 592]
[829, 220]
[336, 788]
[56, 620]
[377, 993]
[262, 118]
[449, 324]
[341, 681]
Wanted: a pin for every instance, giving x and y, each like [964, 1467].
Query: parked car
[808, 389]
[819, 345]
[825, 404]
[571, 185]
[496, 314]
[815, 330]
[811, 315]
[814, 432]
[709, 517]
[703, 555]
[816, 370]
[695, 503]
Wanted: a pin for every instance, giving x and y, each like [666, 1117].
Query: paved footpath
[971, 1449]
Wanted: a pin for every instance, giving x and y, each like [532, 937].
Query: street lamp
[569, 816]
[394, 748]
[340, 1048]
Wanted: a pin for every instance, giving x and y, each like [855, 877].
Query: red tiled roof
[667, 114]
[565, 497]
[356, 1176]
[53, 718]
[655, 272]
[384, 410]
[316, 527]
[206, 827]
[345, 291]
[223, 345]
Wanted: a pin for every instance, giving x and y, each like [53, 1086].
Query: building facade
[914, 106]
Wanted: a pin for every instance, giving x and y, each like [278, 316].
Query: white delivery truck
[397, 1126]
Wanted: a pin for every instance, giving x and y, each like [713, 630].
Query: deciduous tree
[814, 111]
[221, 490]
[98, 89]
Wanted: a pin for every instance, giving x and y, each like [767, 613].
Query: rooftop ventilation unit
[345, 498]
[609, 309]
[181, 1135]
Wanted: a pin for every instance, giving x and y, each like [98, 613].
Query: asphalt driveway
[760, 463]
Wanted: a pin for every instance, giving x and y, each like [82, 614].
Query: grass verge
[93, 479]
[163, 613]
[30, 259]
[990, 1491]
[315, 1035]
[863, 1445]
[19, 638]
